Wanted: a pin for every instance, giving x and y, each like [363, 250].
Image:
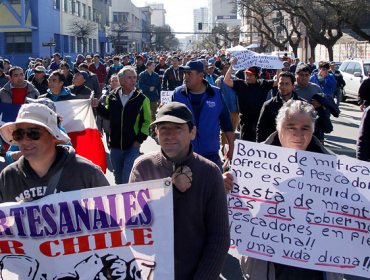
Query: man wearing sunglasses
[45, 167]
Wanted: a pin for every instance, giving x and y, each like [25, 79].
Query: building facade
[200, 22]
[158, 14]
[130, 27]
[221, 11]
[36, 28]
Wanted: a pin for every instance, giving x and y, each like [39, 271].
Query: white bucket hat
[38, 114]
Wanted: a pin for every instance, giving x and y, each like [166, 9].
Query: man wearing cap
[324, 79]
[173, 76]
[251, 93]
[78, 86]
[161, 67]
[45, 167]
[201, 232]
[139, 64]
[150, 84]
[17, 89]
[209, 110]
[40, 79]
[210, 75]
[92, 82]
[57, 91]
[128, 110]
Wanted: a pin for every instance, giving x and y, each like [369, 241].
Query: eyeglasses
[32, 133]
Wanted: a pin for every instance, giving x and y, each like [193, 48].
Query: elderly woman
[295, 125]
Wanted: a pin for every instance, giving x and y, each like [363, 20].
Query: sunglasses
[31, 133]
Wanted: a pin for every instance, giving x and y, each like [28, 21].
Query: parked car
[354, 71]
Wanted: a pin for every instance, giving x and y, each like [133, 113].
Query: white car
[354, 71]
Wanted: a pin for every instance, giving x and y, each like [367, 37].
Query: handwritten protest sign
[123, 232]
[248, 58]
[300, 208]
[166, 96]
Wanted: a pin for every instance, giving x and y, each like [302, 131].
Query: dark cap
[254, 70]
[195, 65]
[174, 112]
[84, 74]
[324, 64]
[302, 68]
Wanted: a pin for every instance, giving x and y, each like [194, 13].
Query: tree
[285, 28]
[82, 29]
[116, 36]
[323, 26]
[354, 13]
[164, 39]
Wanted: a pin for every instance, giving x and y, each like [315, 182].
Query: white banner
[301, 208]
[166, 96]
[117, 232]
[248, 59]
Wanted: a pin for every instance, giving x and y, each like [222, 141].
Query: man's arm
[228, 81]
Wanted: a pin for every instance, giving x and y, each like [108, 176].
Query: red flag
[79, 122]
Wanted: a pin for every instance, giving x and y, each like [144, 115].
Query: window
[18, 42]
[94, 46]
[90, 45]
[357, 68]
[89, 13]
[120, 17]
[72, 40]
[79, 8]
[83, 10]
[56, 4]
[65, 6]
[350, 67]
[66, 43]
[79, 44]
[71, 7]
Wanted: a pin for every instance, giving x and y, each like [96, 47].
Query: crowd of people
[289, 107]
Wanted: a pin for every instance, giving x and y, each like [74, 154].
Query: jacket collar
[209, 90]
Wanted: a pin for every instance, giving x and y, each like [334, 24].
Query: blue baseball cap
[195, 65]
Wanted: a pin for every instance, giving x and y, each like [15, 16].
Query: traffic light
[200, 26]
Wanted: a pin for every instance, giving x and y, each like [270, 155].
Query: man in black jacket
[78, 86]
[267, 120]
[128, 110]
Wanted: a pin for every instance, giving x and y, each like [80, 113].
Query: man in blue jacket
[209, 110]
[150, 84]
[324, 79]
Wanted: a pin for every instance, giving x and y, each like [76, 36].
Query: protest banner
[116, 232]
[248, 58]
[300, 208]
[166, 96]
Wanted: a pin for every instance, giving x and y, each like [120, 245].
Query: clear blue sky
[179, 13]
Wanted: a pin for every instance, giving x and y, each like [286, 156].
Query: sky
[179, 13]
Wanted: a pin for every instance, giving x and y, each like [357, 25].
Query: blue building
[38, 28]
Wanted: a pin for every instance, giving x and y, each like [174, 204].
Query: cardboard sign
[248, 59]
[166, 96]
[300, 208]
